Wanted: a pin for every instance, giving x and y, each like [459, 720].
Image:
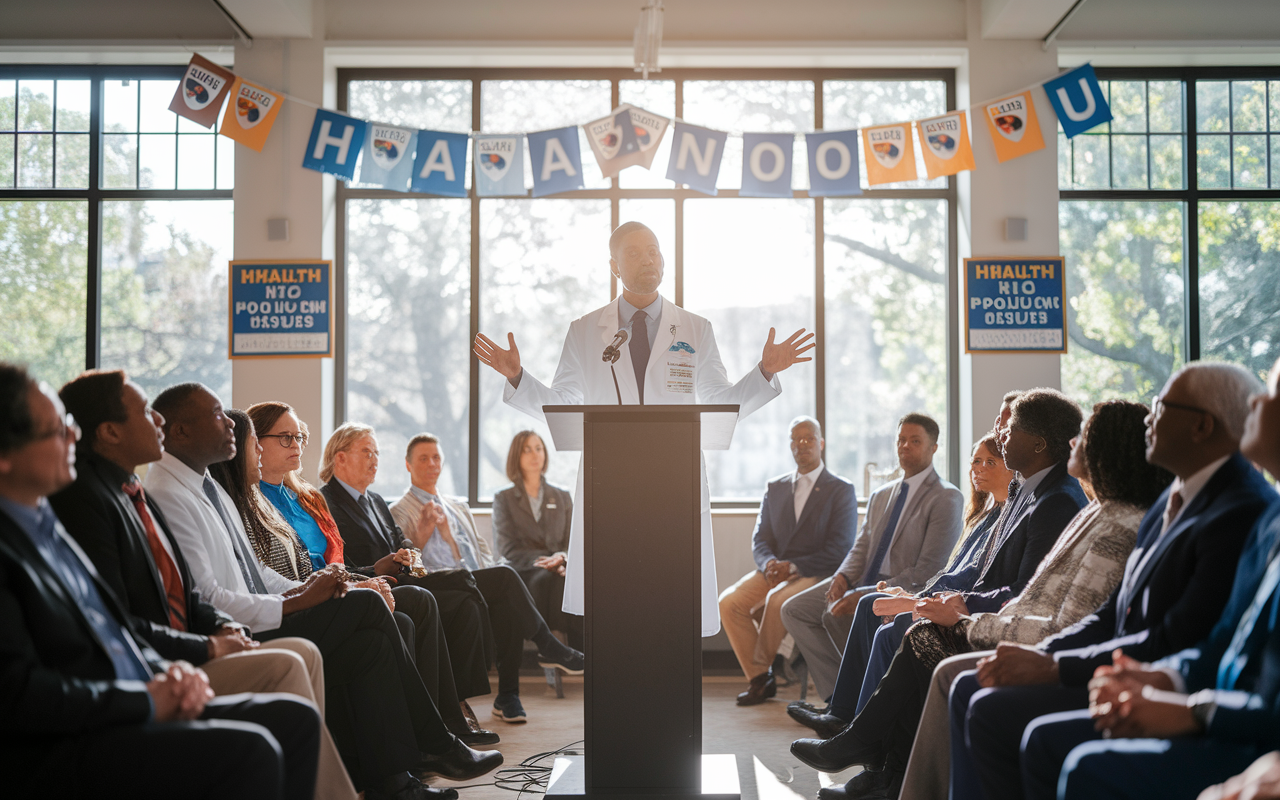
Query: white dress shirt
[802, 484]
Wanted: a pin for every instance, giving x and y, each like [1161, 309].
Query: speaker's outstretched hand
[506, 362]
[777, 357]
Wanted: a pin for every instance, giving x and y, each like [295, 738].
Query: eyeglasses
[369, 454]
[287, 439]
[67, 429]
[804, 441]
[1159, 404]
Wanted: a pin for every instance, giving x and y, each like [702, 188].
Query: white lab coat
[583, 378]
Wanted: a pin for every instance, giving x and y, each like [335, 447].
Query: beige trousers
[294, 666]
[751, 613]
[929, 769]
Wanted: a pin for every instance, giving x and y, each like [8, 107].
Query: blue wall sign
[1015, 305]
[281, 308]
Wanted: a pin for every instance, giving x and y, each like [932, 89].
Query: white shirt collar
[812, 475]
[626, 311]
[915, 481]
[351, 490]
[187, 476]
[1030, 483]
[1193, 485]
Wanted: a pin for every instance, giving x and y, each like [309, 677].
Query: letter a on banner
[335, 144]
[440, 166]
[946, 145]
[891, 156]
[200, 94]
[1079, 101]
[1014, 127]
[250, 113]
[833, 163]
[766, 164]
[499, 164]
[387, 160]
[556, 160]
[695, 157]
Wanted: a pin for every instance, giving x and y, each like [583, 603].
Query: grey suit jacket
[925, 535]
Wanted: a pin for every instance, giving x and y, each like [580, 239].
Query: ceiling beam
[1022, 19]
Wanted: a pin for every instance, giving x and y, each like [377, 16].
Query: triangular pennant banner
[251, 111]
[629, 136]
[695, 157]
[1078, 99]
[387, 157]
[201, 91]
[766, 164]
[890, 154]
[833, 163]
[334, 144]
[1014, 126]
[440, 164]
[499, 164]
[944, 141]
[556, 160]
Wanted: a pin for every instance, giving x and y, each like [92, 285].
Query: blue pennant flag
[766, 164]
[388, 156]
[440, 166]
[1079, 100]
[335, 143]
[556, 160]
[499, 164]
[695, 157]
[833, 163]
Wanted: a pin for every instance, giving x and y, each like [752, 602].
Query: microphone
[611, 353]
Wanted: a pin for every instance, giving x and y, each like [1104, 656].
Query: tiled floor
[759, 736]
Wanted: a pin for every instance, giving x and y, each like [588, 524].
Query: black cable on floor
[531, 775]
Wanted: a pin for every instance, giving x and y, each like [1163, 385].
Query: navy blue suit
[1176, 600]
[818, 541]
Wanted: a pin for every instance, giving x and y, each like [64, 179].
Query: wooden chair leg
[555, 680]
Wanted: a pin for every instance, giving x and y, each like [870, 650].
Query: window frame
[615, 194]
[94, 195]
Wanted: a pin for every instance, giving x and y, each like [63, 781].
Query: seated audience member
[1073, 581]
[1261, 781]
[807, 522]
[1176, 582]
[372, 537]
[87, 702]
[278, 545]
[531, 530]
[1199, 716]
[911, 527]
[382, 718]
[463, 618]
[1037, 443]
[124, 534]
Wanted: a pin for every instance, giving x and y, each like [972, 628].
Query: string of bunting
[435, 162]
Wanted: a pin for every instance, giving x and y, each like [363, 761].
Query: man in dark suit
[87, 703]
[374, 543]
[1199, 716]
[807, 522]
[1176, 582]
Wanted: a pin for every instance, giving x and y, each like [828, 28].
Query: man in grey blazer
[910, 527]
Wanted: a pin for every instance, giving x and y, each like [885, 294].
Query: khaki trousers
[929, 769]
[751, 613]
[293, 666]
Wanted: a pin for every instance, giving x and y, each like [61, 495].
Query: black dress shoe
[810, 707]
[458, 763]
[411, 790]
[825, 725]
[836, 792]
[479, 736]
[839, 752]
[884, 784]
[761, 688]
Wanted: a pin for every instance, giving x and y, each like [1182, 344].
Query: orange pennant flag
[945, 144]
[251, 111]
[890, 154]
[1014, 127]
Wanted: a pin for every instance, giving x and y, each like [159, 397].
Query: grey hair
[1221, 389]
[803, 419]
[341, 440]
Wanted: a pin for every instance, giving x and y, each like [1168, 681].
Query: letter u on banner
[335, 144]
[1078, 100]
[833, 163]
[441, 164]
[556, 159]
[695, 157]
[766, 164]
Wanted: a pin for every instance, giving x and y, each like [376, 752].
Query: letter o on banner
[757, 160]
[822, 165]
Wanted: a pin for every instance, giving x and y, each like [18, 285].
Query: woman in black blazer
[531, 529]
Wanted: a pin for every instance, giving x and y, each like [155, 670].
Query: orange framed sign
[280, 309]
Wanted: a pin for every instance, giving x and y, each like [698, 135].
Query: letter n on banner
[335, 144]
[441, 164]
[1079, 100]
[833, 163]
[766, 164]
[695, 157]
[556, 159]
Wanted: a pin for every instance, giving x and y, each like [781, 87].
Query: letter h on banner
[695, 157]
[833, 163]
[1078, 100]
[335, 142]
[766, 164]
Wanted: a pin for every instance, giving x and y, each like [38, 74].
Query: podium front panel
[643, 688]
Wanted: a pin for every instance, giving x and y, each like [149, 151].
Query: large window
[115, 228]
[868, 274]
[1170, 224]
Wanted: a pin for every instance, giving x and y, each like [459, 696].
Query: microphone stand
[615, 384]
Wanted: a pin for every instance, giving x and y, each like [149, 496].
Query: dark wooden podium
[642, 498]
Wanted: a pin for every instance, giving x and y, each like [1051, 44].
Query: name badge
[551, 505]
[679, 368]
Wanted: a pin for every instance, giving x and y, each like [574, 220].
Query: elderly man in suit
[806, 525]
[87, 702]
[911, 525]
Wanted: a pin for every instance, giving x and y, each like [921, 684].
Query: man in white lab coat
[669, 358]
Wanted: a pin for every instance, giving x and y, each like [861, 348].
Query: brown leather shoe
[761, 688]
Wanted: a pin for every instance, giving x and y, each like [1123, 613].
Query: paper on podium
[717, 421]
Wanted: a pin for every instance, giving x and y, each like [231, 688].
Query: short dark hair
[1115, 450]
[621, 231]
[422, 438]
[1009, 397]
[1051, 415]
[19, 426]
[517, 449]
[95, 397]
[173, 399]
[924, 421]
